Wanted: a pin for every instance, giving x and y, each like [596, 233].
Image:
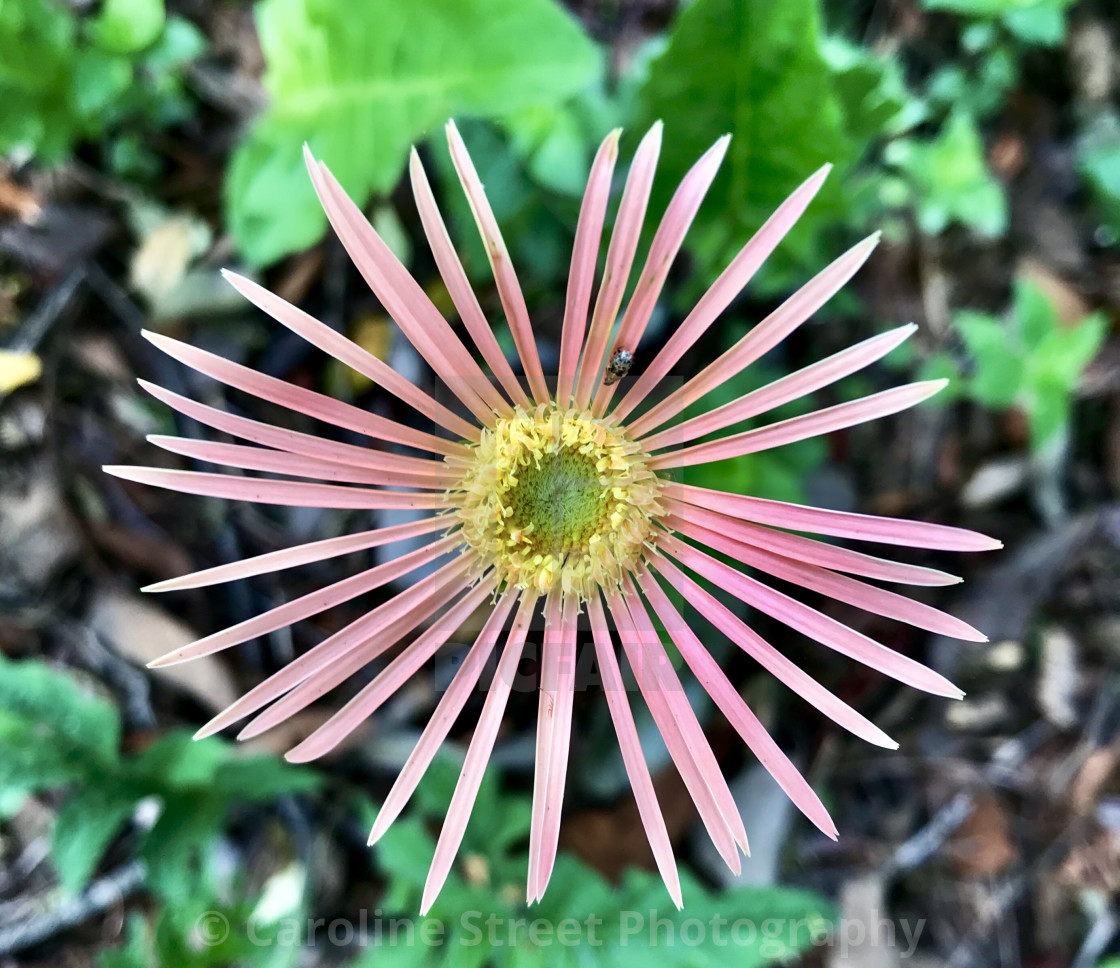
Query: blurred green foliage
[361, 89]
[494, 842]
[67, 78]
[1028, 360]
[54, 734]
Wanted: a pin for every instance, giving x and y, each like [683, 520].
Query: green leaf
[85, 826]
[60, 711]
[1043, 24]
[951, 179]
[1065, 351]
[752, 68]
[126, 26]
[992, 8]
[179, 846]
[176, 761]
[1098, 159]
[360, 84]
[263, 778]
[1047, 403]
[998, 372]
[1034, 313]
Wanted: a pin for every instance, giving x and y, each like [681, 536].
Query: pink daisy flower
[556, 496]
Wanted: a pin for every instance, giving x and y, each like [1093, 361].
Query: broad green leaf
[751, 68]
[1066, 350]
[85, 826]
[178, 762]
[1034, 313]
[998, 367]
[362, 83]
[951, 179]
[1098, 159]
[992, 8]
[263, 778]
[62, 714]
[126, 26]
[1043, 24]
[1047, 403]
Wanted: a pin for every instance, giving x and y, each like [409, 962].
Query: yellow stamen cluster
[557, 499]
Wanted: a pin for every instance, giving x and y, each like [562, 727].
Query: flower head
[552, 496]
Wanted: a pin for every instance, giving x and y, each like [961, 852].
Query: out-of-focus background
[145, 146]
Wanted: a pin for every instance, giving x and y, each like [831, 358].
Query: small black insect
[618, 366]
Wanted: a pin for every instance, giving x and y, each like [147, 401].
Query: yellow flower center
[557, 499]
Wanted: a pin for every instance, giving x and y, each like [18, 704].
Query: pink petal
[405, 301]
[840, 587]
[390, 679]
[738, 713]
[620, 258]
[800, 428]
[393, 619]
[810, 622]
[806, 549]
[839, 524]
[458, 286]
[788, 388]
[585, 257]
[439, 724]
[557, 691]
[683, 737]
[769, 658]
[478, 755]
[297, 494]
[764, 337]
[509, 289]
[667, 242]
[633, 757]
[291, 441]
[435, 476]
[335, 344]
[298, 399]
[300, 555]
[307, 605]
[722, 292]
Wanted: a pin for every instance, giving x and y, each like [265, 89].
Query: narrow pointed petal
[411, 604]
[667, 242]
[585, 258]
[307, 605]
[345, 350]
[620, 259]
[801, 428]
[478, 755]
[808, 550]
[562, 694]
[737, 712]
[700, 779]
[838, 524]
[546, 693]
[277, 438]
[770, 658]
[509, 289]
[403, 298]
[296, 398]
[458, 285]
[355, 647]
[762, 338]
[633, 758]
[296, 494]
[817, 626]
[783, 391]
[300, 555]
[439, 724]
[389, 680]
[722, 292]
[436, 476]
[839, 587]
